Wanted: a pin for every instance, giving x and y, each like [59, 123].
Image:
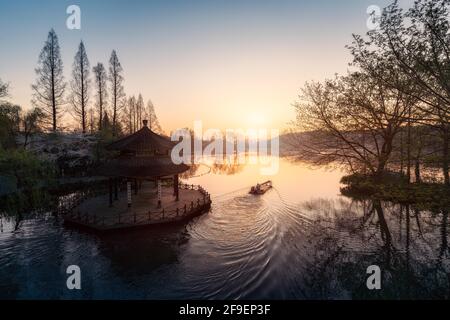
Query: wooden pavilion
[142, 163]
[143, 155]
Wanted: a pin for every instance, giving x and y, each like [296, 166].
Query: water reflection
[207, 165]
[137, 252]
[409, 245]
[300, 240]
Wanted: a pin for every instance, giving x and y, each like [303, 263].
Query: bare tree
[101, 89]
[150, 114]
[139, 111]
[91, 115]
[416, 42]
[353, 121]
[3, 89]
[80, 86]
[117, 90]
[49, 86]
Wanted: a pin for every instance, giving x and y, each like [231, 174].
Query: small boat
[261, 188]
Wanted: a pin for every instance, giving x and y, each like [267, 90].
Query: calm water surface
[301, 240]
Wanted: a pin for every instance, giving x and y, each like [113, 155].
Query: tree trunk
[417, 170]
[401, 152]
[445, 156]
[52, 66]
[386, 150]
[25, 143]
[114, 115]
[408, 169]
[100, 116]
[83, 112]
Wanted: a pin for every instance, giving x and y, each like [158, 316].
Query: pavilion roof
[141, 167]
[138, 158]
[143, 140]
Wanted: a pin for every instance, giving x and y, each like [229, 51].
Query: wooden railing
[149, 217]
[68, 202]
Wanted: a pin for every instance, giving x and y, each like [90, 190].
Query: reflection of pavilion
[144, 164]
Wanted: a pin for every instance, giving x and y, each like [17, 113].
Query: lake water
[301, 240]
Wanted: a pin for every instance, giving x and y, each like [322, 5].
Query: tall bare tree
[101, 91]
[50, 86]
[130, 115]
[150, 114]
[139, 111]
[91, 116]
[117, 91]
[80, 87]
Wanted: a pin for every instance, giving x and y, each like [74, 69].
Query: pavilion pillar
[110, 193]
[159, 193]
[116, 191]
[129, 193]
[176, 187]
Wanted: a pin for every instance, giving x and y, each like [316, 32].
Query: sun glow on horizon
[256, 119]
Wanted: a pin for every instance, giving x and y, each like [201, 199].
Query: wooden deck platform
[95, 213]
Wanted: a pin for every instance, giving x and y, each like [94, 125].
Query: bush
[32, 177]
[395, 188]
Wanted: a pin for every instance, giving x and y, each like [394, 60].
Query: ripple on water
[245, 247]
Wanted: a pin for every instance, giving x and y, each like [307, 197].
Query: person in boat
[258, 187]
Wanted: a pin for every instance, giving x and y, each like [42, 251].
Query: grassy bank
[395, 188]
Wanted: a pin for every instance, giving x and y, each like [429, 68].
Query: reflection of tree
[193, 168]
[143, 251]
[228, 167]
[445, 250]
[353, 235]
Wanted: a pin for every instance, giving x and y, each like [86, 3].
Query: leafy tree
[32, 177]
[415, 42]
[31, 124]
[9, 124]
[354, 121]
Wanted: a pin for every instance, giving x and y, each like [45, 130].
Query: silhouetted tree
[80, 86]
[354, 120]
[117, 91]
[9, 124]
[150, 114]
[129, 119]
[49, 86]
[101, 89]
[91, 120]
[3, 89]
[415, 42]
[107, 128]
[139, 111]
[31, 124]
